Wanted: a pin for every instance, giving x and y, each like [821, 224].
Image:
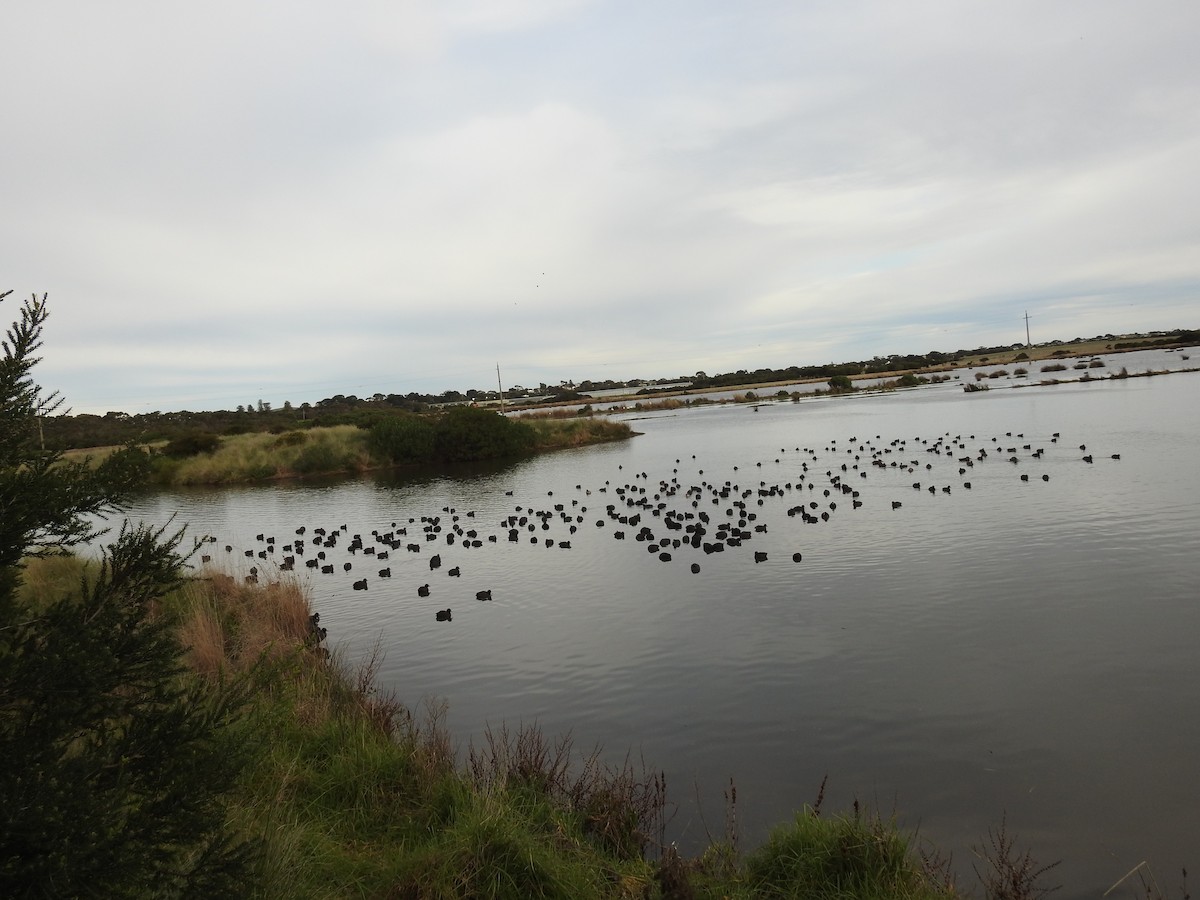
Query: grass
[352, 794]
[97, 455]
[336, 450]
[258, 456]
[559, 433]
[1116, 344]
[855, 855]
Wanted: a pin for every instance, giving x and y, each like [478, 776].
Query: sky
[235, 201]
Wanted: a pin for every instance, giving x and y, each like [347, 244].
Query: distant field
[99, 454]
[1051, 351]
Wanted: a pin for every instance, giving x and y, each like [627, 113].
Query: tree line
[64, 432]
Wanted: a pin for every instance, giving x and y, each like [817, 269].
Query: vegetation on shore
[185, 737]
[176, 737]
[460, 435]
[355, 795]
[116, 428]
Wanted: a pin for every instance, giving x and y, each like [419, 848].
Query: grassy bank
[349, 449]
[259, 456]
[349, 793]
[559, 433]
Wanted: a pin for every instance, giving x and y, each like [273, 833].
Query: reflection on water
[1019, 647]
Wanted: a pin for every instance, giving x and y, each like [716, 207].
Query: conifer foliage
[114, 760]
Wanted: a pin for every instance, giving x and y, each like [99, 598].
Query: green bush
[318, 456]
[291, 439]
[841, 383]
[469, 433]
[192, 443]
[402, 439]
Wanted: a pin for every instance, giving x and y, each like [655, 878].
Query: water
[1017, 648]
[1134, 361]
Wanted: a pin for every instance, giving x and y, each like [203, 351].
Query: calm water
[1134, 361]
[1026, 648]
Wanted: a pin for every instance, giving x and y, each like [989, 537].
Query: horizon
[277, 405]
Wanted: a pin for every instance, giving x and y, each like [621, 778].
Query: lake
[1018, 648]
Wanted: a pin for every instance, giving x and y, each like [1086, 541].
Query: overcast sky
[232, 200]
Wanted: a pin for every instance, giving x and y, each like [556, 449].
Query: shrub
[470, 433]
[192, 443]
[841, 383]
[403, 439]
[909, 380]
[318, 456]
[1054, 367]
[290, 439]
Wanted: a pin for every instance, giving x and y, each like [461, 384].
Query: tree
[115, 761]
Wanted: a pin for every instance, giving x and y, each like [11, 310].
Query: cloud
[295, 197]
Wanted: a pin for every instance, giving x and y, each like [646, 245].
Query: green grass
[856, 855]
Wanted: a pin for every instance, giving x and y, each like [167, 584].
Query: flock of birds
[687, 517]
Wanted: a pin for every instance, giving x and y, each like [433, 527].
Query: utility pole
[500, 385]
[1028, 343]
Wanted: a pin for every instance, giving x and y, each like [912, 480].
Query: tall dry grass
[259, 456]
[228, 626]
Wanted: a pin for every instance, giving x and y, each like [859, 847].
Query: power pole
[1028, 343]
[500, 385]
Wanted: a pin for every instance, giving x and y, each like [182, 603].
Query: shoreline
[358, 794]
[1026, 356]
